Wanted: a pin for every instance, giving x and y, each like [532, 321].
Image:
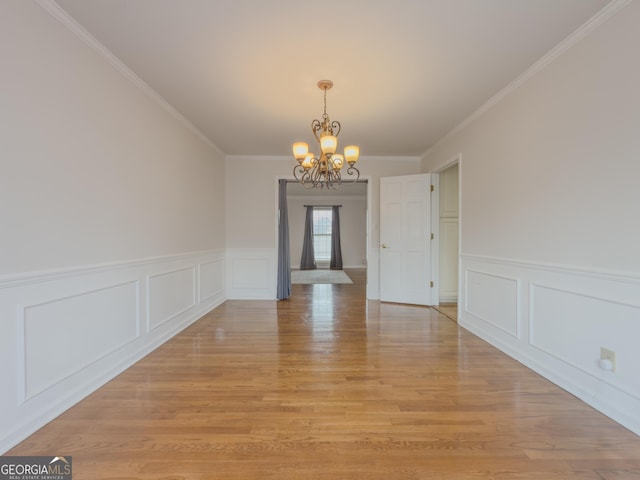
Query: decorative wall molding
[170, 294]
[68, 332]
[551, 326]
[565, 315]
[26, 278]
[47, 326]
[601, 274]
[211, 278]
[496, 302]
[252, 273]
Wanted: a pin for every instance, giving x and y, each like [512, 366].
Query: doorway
[448, 221]
[353, 203]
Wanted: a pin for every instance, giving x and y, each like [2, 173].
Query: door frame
[435, 227]
[363, 179]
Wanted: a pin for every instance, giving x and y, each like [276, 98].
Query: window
[322, 218]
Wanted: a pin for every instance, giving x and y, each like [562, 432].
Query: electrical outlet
[606, 354]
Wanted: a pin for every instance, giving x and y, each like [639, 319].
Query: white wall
[353, 226]
[251, 197]
[549, 208]
[112, 214]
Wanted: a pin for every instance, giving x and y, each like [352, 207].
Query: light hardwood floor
[329, 386]
[449, 310]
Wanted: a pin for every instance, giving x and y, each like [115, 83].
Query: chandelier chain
[324, 115]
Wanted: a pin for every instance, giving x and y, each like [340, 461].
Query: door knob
[384, 245]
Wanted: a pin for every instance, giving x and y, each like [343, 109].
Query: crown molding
[57, 12]
[574, 38]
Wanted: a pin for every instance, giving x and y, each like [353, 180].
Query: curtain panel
[308, 260]
[336, 250]
[283, 289]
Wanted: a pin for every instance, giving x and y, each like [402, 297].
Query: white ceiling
[406, 72]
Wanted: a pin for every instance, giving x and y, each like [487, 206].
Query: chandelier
[326, 169]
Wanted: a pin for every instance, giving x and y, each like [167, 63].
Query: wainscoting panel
[493, 299]
[573, 327]
[564, 317]
[252, 273]
[66, 333]
[211, 280]
[170, 294]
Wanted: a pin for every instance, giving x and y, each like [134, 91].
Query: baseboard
[449, 298]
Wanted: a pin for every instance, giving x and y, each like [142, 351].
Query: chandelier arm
[302, 175]
[298, 172]
[316, 173]
[308, 184]
[316, 126]
[353, 171]
[308, 181]
[336, 125]
[336, 179]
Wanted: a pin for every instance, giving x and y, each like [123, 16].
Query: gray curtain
[336, 251]
[308, 261]
[284, 257]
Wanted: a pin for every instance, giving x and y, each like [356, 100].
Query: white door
[405, 239]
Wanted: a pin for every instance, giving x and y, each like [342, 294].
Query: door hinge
[432, 188]
[432, 236]
[432, 284]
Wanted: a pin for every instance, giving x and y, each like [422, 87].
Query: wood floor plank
[327, 385]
